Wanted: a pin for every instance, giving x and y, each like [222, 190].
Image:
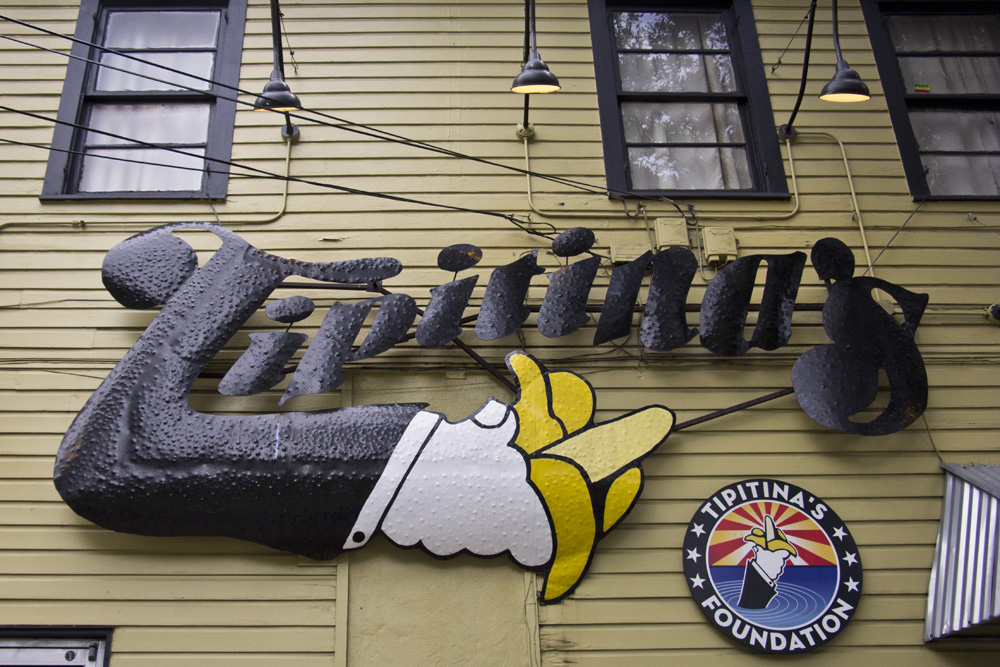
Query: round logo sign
[772, 566]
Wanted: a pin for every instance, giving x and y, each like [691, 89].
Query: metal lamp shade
[277, 96]
[846, 86]
[535, 78]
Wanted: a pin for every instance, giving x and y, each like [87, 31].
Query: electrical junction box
[718, 244]
[623, 254]
[671, 233]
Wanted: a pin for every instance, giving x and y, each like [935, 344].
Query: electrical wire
[262, 173]
[930, 437]
[340, 123]
[123, 54]
[971, 218]
[396, 138]
[778, 63]
[70, 151]
[208, 170]
[390, 136]
[288, 42]
[787, 129]
[385, 135]
[872, 263]
[79, 223]
[73, 56]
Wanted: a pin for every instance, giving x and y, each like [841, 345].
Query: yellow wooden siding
[206, 601]
[439, 72]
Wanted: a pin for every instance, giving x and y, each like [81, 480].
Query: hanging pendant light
[846, 85]
[277, 96]
[535, 77]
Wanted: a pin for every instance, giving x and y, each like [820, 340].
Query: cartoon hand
[587, 476]
[771, 548]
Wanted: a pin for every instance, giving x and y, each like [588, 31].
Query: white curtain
[680, 168]
[115, 165]
[152, 123]
[955, 130]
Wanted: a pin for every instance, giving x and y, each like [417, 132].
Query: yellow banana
[567, 456]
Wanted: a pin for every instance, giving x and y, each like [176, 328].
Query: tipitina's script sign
[537, 479]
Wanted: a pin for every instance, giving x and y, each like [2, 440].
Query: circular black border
[702, 526]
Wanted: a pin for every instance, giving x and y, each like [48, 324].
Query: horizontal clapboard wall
[439, 72]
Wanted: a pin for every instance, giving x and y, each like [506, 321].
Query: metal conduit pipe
[289, 140]
[761, 217]
[854, 194]
[561, 214]
[82, 224]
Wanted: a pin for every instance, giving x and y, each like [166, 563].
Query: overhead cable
[262, 173]
[340, 123]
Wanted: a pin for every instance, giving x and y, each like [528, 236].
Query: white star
[698, 530]
[851, 584]
[693, 555]
[851, 559]
[840, 533]
[697, 581]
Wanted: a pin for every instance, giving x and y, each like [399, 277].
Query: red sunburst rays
[727, 545]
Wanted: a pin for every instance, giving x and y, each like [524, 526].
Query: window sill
[704, 194]
[131, 196]
[958, 198]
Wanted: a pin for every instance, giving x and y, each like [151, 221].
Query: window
[940, 65]
[55, 646]
[176, 111]
[683, 100]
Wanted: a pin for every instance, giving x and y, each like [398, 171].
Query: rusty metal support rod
[590, 308]
[475, 356]
[354, 287]
[502, 378]
[736, 408]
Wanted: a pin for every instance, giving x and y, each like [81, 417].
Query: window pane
[957, 130]
[963, 174]
[945, 33]
[53, 651]
[44, 656]
[198, 63]
[951, 75]
[659, 31]
[155, 123]
[689, 169]
[675, 72]
[150, 30]
[103, 175]
[689, 122]
[200, 40]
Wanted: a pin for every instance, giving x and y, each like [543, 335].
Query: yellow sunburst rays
[799, 532]
[795, 524]
[567, 457]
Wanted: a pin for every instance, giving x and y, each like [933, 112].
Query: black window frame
[63, 171]
[900, 102]
[83, 634]
[759, 127]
